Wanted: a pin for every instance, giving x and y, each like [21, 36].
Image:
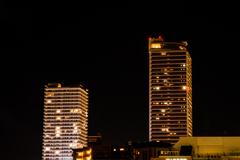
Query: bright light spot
[163, 129]
[157, 88]
[49, 101]
[47, 149]
[184, 65]
[57, 127]
[70, 145]
[121, 149]
[57, 152]
[163, 110]
[58, 118]
[184, 87]
[75, 127]
[157, 118]
[157, 77]
[156, 46]
[58, 111]
[165, 102]
[57, 135]
[114, 149]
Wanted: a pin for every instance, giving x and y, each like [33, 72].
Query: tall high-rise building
[170, 91]
[65, 125]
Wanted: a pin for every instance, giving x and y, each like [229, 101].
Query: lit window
[66, 117]
[184, 87]
[57, 152]
[57, 135]
[163, 114]
[157, 88]
[75, 128]
[157, 118]
[170, 133]
[70, 145]
[57, 127]
[174, 133]
[156, 45]
[58, 111]
[157, 77]
[163, 53]
[49, 101]
[163, 129]
[157, 103]
[47, 149]
[165, 102]
[182, 47]
[121, 149]
[184, 65]
[114, 149]
[165, 73]
[163, 110]
[58, 118]
[80, 153]
[164, 80]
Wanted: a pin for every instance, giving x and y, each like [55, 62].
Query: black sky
[104, 46]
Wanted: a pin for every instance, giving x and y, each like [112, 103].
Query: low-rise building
[204, 148]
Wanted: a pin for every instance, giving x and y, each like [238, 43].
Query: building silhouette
[65, 120]
[170, 91]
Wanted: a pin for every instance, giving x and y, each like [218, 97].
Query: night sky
[104, 46]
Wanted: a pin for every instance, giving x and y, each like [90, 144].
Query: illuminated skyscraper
[170, 91]
[65, 120]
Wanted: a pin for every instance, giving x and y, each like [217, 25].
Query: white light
[157, 88]
[157, 118]
[163, 110]
[57, 152]
[184, 65]
[49, 101]
[184, 87]
[157, 77]
[47, 149]
[58, 111]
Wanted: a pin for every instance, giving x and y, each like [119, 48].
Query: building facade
[204, 148]
[170, 91]
[65, 125]
[106, 152]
